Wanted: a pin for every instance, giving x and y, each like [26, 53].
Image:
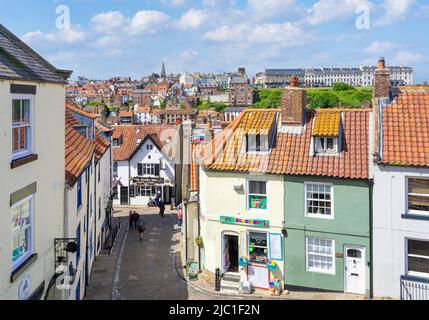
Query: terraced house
[401, 191]
[299, 197]
[87, 217]
[32, 94]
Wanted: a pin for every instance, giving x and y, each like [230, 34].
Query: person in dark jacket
[131, 220]
[141, 227]
[161, 206]
[136, 217]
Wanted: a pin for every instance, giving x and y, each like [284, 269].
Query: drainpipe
[95, 209]
[371, 239]
[199, 234]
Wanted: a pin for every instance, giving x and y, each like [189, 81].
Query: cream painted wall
[218, 197]
[47, 171]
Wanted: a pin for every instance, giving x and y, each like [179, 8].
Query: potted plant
[199, 241]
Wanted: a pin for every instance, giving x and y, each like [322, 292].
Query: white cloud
[173, 3]
[406, 57]
[394, 11]
[378, 47]
[193, 18]
[147, 21]
[329, 10]
[286, 34]
[108, 22]
[108, 41]
[269, 8]
[69, 36]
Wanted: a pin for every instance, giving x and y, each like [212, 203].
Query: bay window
[21, 126]
[22, 231]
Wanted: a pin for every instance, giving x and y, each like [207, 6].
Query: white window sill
[321, 271]
[320, 216]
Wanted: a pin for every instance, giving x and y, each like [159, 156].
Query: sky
[100, 39]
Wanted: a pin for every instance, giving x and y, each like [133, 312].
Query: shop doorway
[124, 195]
[230, 253]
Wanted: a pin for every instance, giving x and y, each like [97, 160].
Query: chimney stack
[381, 96]
[381, 80]
[293, 104]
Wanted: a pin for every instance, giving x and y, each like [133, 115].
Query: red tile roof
[78, 150]
[160, 134]
[75, 109]
[406, 128]
[291, 152]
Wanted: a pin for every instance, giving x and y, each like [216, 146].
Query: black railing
[414, 290]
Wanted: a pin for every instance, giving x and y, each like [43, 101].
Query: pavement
[152, 269]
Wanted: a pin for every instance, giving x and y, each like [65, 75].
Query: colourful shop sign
[247, 222]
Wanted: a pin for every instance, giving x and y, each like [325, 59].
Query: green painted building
[327, 245]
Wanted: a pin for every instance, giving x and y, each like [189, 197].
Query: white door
[354, 265]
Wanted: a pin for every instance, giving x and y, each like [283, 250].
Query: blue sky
[132, 37]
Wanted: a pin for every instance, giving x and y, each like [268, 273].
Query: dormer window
[83, 130]
[326, 145]
[257, 143]
[116, 143]
[327, 131]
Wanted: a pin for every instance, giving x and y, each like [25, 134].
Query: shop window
[418, 257]
[320, 255]
[318, 199]
[258, 247]
[257, 195]
[418, 196]
[22, 231]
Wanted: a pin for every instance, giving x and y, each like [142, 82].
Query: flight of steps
[230, 283]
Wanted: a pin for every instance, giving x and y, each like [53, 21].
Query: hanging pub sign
[141, 180]
[246, 222]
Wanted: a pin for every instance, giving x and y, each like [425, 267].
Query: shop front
[144, 189]
[252, 250]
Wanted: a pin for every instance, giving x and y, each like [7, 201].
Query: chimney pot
[294, 82]
[381, 63]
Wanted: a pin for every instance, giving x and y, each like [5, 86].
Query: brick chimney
[381, 97]
[293, 104]
[381, 80]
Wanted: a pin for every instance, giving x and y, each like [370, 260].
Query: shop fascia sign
[147, 180]
[245, 222]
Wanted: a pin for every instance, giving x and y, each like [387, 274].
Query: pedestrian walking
[141, 227]
[130, 220]
[180, 215]
[135, 219]
[161, 208]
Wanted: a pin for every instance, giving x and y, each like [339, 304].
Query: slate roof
[160, 134]
[291, 153]
[19, 62]
[406, 128]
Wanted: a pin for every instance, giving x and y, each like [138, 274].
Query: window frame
[267, 247]
[317, 143]
[315, 215]
[407, 210]
[319, 270]
[248, 194]
[22, 259]
[414, 273]
[30, 150]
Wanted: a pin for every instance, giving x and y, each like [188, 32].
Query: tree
[341, 86]
[322, 99]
